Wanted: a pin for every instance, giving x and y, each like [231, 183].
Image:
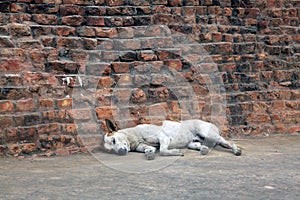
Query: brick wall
[66, 65]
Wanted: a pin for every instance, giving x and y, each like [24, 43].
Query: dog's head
[115, 140]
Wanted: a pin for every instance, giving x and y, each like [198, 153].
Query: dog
[169, 138]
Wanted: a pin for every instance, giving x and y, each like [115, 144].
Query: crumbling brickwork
[66, 65]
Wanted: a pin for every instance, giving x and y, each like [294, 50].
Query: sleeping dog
[168, 138]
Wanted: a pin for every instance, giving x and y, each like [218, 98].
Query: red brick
[113, 2]
[19, 30]
[37, 56]
[160, 94]
[98, 69]
[73, 20]
[25, 105]
[70, 129]
[106, 112]
[64, 30]
[14, 65]
[63, 67]
[175, 2]
[159, 109]
[48, 1]
[20, 149]
[124, 79]
[90, 43]
[45, 19]
[95, 10]
[105, 82]
[127, 44]
[120, 67]
[294, 129]
[95, 21]
[106, 32]
[49, 129]
[31, 78]
[65, 10]
[147, 55]
[5, 122]
[80, 114]
[46, 104]
[78, 2]
[6, 107]
[64, 103]
[138, 96]
[86, 31]
[5, 41]
[174, 64]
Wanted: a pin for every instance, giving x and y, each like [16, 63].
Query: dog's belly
[180, 136]
[181, 141]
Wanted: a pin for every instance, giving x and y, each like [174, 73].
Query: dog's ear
[111, 127]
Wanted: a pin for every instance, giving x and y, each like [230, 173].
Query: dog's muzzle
[122, 151]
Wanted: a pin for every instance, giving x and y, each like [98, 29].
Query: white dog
[169, 138]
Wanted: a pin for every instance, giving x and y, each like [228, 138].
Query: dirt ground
[268, 169]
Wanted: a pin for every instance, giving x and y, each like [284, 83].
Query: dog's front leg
[148, 150]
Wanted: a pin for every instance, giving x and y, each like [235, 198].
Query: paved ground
[268, 169]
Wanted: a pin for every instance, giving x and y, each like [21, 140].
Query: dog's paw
[150, 154]
[237, 152]
[204, 150]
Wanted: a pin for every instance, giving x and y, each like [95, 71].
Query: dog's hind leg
[164, 143]
[197, 146]
[236, 150]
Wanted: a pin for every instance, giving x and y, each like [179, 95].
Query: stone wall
[66, 65]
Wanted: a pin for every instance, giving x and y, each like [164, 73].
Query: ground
[268, 169]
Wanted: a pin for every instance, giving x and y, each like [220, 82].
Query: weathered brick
[64, 30]
[80, 114]
[138, 96]
[6, 107]
[105, 82]
[63, 67]
[71, 129]
[114, 2]
[106, 32]
[73, 20]
[48, 1]
[46, 104]
[65, 10]
[64, 103]
[174, 64]
[95, 21]
[147, 55]
[175, 2]
[25, 105]
[159, 109]
[106, 112]
[95, 10]
[5, 122]
[19, 30]
[120, 67]
[56, 116]
[45, 19]
[160, 94]
[27, 119]
[5, 41]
